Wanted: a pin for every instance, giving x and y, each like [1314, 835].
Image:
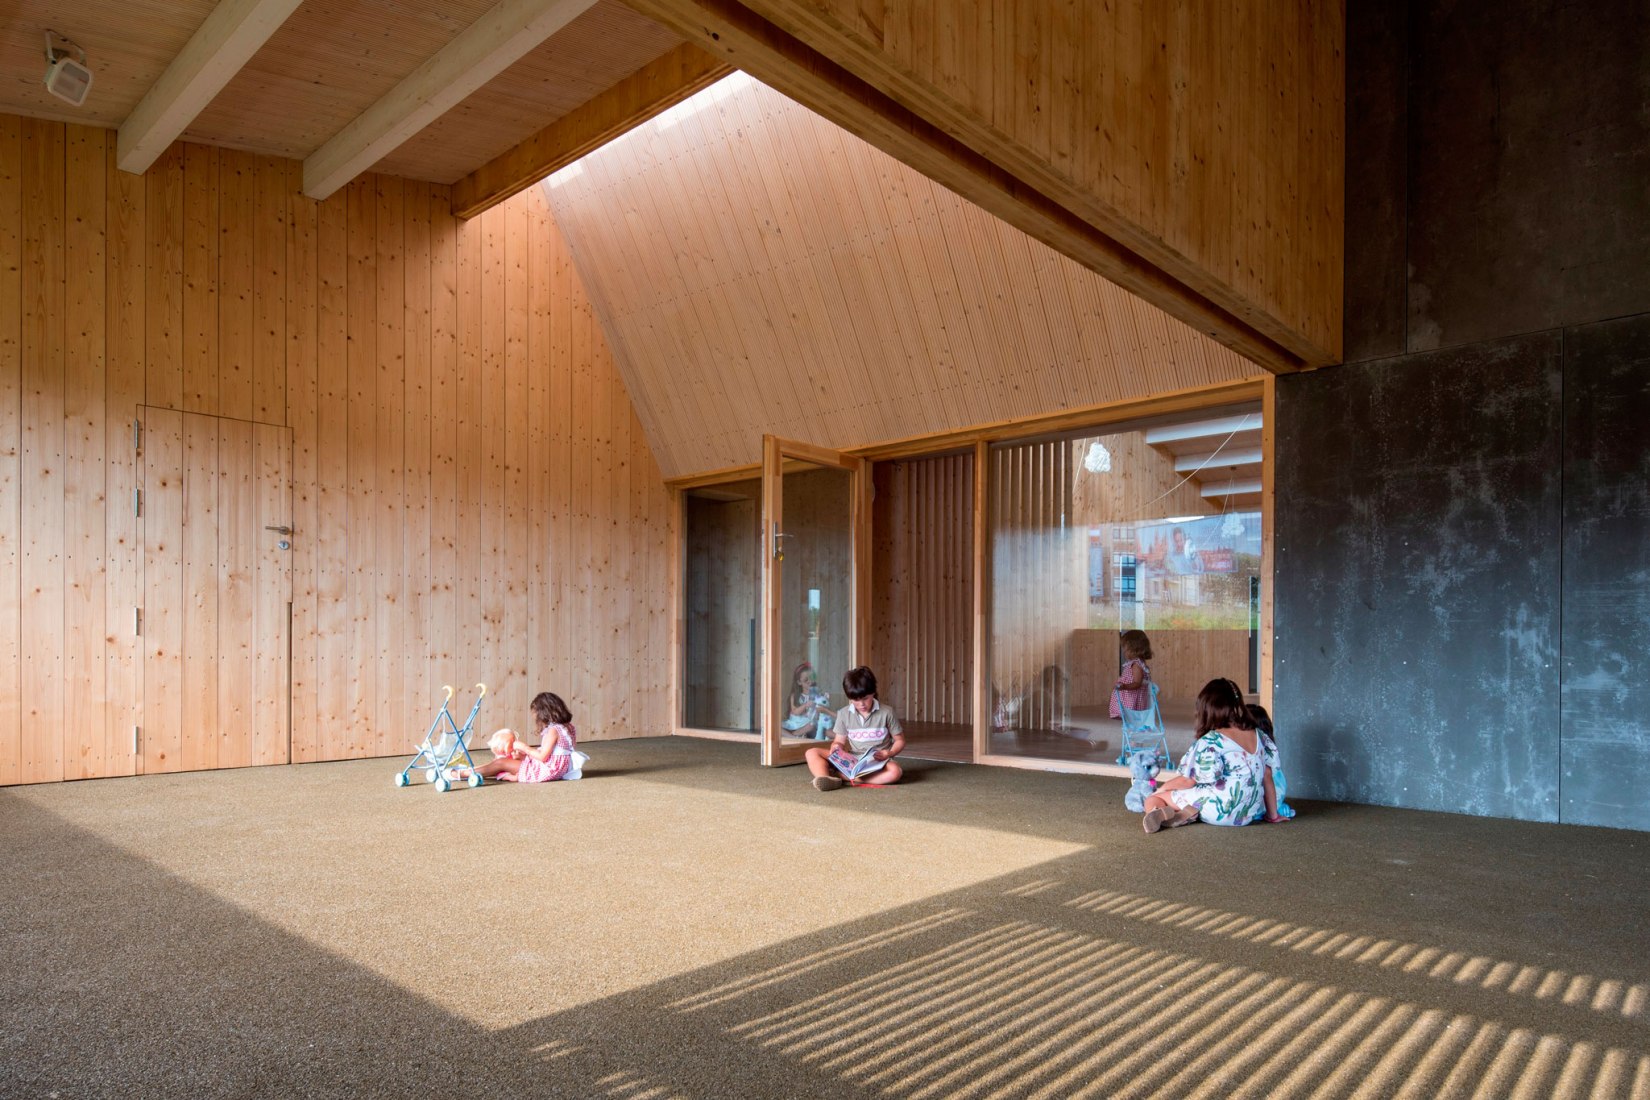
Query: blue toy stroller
[442, 746]
[1143, 729]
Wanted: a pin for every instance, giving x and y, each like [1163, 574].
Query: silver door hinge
[137, 435]
[137, 621]
[137, 503]
[137, 733]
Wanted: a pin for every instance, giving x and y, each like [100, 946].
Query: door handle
[280, 530]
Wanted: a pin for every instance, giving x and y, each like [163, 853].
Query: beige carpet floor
[683, 923]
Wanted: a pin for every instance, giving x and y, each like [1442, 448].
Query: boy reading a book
[868, 737]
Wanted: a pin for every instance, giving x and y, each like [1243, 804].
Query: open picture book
[852, 766]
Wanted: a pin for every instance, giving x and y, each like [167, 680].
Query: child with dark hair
[1226, 775]
[1263, 723]
[864, 725]
[1131, 689]
[556, 756]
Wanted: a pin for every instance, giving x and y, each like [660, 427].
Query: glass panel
[1155, 531]
[721, 590]
[816, 610]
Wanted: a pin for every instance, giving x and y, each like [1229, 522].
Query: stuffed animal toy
[1144, 764]
[503, 745]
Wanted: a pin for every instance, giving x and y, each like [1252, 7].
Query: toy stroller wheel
[431, 774]
[476, 780]
[401, 779]
[442, 785]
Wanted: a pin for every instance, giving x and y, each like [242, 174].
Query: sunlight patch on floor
[509, 905]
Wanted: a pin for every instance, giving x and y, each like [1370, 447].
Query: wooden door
[217, 584]
[816, 530]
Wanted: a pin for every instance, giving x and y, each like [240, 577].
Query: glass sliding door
[1151, 528]
[813, 517]
[721, 612]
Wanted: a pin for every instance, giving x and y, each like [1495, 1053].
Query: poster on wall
[1206, 544]
[1186, 572]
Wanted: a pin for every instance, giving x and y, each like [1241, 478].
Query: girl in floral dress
[1226, 776]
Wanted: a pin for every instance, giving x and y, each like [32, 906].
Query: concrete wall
[1463, 526]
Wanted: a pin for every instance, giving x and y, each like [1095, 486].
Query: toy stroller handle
[483, 688]
[448, 688]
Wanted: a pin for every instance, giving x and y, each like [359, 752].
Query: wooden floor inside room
[313, 930]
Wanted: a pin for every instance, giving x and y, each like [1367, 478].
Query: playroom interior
[367, 368]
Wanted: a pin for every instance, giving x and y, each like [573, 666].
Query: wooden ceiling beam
[656, 87]
[209, 60]
[854, 73]
[486, 48]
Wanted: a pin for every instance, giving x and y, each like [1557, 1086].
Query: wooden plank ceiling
[759, 269]
[324, 66]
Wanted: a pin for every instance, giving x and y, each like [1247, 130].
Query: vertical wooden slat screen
[1037, 599]
[922, 589]
[471, 493]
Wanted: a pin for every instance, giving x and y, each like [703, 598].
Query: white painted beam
[1223, 425]
[1218, 460]
[1231, 488]
[228, 38]
[486, 48]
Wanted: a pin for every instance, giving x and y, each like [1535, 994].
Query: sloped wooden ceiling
[759, 269]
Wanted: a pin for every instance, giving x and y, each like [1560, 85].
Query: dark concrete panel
[1417, 580]
[1376, 170]
[1529, 190]
[1607, 574]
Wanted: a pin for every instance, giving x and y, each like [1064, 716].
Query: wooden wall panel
[85, 567]
[471, 494]
[41, 458]
[11, 426]
[757, 269]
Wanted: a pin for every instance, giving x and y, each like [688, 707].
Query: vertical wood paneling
[418, 455]
[430, 405]
[329, 738]
[389, 451]
[468, 431]
[270, 288]
[84, 467]
[238, 537]
[199, 733]
[271, 585]
[363, 736]
[124, 343]
[923, 586]
[163, 590]
[302, 280]
[163, 327]
[200, 279]
[237, 281]
[41, 459]
[442, 658]
[517, 505]
[11, 425]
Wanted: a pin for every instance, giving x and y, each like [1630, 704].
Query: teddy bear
[1144, 764]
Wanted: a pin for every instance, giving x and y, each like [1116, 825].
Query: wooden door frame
[149, 616]
[775, 450]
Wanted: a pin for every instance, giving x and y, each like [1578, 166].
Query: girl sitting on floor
[1226, 776]
[555, 757]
